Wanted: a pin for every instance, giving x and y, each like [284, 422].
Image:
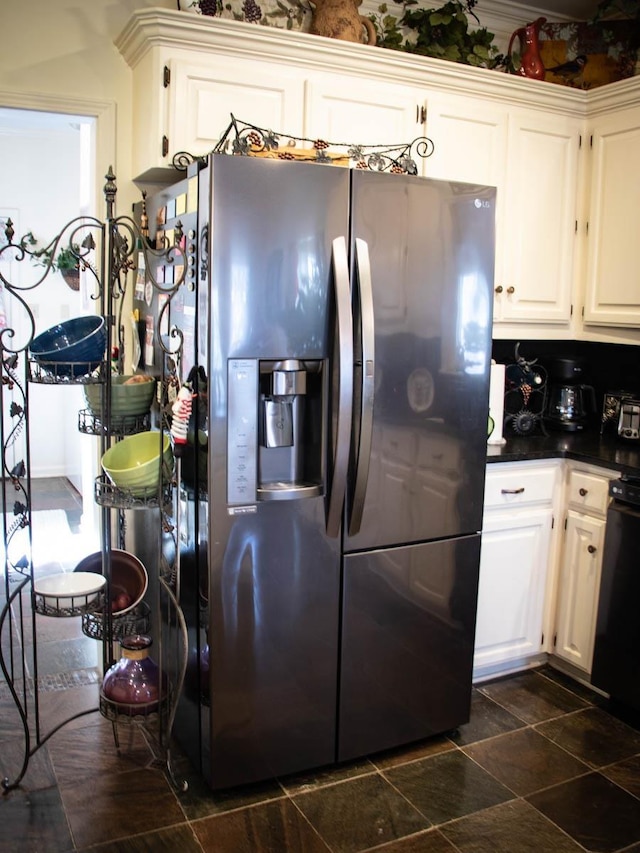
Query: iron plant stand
[109, 253]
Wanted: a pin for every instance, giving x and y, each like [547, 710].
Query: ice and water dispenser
[275, 441]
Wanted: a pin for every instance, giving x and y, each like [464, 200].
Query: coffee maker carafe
[571, 403]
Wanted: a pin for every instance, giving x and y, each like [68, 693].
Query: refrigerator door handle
[363, 445]
[344, 402]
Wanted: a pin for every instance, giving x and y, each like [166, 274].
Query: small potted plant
[67, 262]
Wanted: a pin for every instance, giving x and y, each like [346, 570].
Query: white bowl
[69, 590]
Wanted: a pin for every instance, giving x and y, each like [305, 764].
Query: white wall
[44, 192]
[53, 49]
[61, 57]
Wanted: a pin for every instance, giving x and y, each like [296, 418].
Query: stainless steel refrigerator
[341, 338]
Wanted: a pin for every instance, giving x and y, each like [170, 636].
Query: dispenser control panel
[242, 431]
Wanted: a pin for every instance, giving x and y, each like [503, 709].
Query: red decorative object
[531, 64]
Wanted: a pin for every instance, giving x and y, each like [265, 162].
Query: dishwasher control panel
[626, 489]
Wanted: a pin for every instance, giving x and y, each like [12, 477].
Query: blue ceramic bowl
[71, 348]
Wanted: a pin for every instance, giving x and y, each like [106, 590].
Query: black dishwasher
[616, 656]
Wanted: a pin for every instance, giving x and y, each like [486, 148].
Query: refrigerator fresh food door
[407, 643]
[425, 250]
[274, 583]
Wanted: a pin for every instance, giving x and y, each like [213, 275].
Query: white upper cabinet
[470, 140]
[182, 105]
[522, 136]
[202, 99]
[535, 270]
[532, 158]
[362, 112]
[613, 253]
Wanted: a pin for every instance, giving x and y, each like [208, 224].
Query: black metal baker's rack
[107, 252]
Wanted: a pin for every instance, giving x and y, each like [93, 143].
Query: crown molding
[178, 32]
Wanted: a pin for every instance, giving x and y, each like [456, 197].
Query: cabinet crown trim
[180, 31]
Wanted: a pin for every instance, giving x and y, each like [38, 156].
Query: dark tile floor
[543, 766]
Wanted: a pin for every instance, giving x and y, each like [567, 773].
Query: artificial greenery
[66, 259]
[441, 32]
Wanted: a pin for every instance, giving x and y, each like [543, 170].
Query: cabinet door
[469, 140]
[613, 254]
[202, 98]
[513, 570]
[534, 275]
[579, 586]
[352, 111]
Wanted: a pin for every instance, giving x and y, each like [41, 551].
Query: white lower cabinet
[581, 565]
[540, 580]
[516, 547]
[512, 583]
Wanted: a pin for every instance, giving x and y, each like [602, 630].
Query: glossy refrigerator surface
[407, 643]
[330, 543]
[431, 257]
[410, 571]
[274, 573]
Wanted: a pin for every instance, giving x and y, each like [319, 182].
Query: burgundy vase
[133, 683]
[531, 64]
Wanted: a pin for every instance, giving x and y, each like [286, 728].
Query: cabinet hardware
[542, 640]
[571, 312]
[421, 114]
[592, 549]
[555, 638]
[583, 492]
[499, 289]
[553, 522]
[565, 523]
[511, 289]
[165, 146]
[512, 491]
[166, 76]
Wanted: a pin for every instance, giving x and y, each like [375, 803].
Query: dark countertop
[607, 451]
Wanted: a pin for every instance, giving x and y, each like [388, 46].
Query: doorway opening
[47, 175]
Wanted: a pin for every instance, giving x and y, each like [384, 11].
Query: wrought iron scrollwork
[244, 138]
[105, 253]
[183, 159]
[248, 140]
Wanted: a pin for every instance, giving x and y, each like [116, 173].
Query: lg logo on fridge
[479, 203]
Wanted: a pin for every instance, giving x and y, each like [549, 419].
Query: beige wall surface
[63, 49]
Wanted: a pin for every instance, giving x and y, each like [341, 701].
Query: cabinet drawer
[588, 492]
[517, 487]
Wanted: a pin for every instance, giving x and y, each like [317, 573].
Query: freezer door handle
[367, 332]
[343, 404]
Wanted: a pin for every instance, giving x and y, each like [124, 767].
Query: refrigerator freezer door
[274, 573]
[407, 643]
[431, 251]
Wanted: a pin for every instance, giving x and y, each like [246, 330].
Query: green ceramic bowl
[133, 464]
[127, 400]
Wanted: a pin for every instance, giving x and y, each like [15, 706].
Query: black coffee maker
[571, 404]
